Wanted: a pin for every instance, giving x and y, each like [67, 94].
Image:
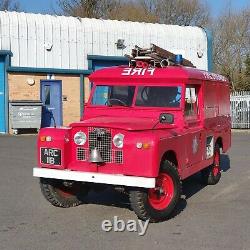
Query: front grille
[100, 138]
[82, 154]
[118, 156]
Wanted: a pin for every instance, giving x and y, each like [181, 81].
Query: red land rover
[144, 130]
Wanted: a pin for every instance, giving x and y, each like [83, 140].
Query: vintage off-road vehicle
[145, 128]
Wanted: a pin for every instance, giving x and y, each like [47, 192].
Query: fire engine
[146, 128]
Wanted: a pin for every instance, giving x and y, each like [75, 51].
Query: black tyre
[212, 174]
[157, 204]
[63, 194]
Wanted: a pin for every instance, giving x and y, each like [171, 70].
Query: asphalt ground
[208, 217]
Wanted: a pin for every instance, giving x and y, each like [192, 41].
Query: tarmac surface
[208, 217]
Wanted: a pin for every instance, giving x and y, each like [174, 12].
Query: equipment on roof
[155, 57]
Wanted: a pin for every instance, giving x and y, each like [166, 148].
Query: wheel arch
[219, 141]
[170, 155]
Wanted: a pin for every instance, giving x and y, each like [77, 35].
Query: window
[153, 96]
[191, 101]
[113, 95]
[47, 94]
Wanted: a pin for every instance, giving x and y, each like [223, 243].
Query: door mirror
[166, 118]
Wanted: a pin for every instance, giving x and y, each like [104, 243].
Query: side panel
[194, 133]
[224, 112]
[217, 121]
[175, 144]
[211, 107]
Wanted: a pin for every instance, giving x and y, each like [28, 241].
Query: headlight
[80, 138]
[118, 140]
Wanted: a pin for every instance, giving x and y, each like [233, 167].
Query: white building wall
[46, 41]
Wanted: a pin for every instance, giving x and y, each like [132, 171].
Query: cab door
[194, 136]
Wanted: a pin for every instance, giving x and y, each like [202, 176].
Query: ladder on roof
[155, 57]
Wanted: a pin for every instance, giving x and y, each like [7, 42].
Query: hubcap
[161, 196]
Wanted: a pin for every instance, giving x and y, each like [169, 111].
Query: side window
[47, 94]
[191, 101]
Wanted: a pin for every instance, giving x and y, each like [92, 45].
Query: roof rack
[155, 57]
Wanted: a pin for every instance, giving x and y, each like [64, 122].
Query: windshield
[113, 95]
[147, 96]
[155, 96]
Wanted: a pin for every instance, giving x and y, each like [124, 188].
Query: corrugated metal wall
[46, 41]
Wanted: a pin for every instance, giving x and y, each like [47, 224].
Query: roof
[124, 74]
[46, 41]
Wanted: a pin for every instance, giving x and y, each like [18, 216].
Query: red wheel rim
[161, 196]
[216, 167]
[65, 191]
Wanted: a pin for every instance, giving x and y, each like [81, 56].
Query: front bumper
[113, 179]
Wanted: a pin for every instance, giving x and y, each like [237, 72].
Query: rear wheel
[212, 174]
[63, 193]
[157, 204]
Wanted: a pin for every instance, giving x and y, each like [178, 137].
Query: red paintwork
[216, 167]
[137, 123]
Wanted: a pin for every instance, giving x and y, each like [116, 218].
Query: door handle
[51, 108]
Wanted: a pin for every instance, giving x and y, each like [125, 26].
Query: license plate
[51, 156]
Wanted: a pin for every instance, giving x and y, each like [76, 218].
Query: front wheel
[62, 193]
[157, 204]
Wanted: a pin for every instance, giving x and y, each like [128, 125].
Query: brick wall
[87, 89]
[19, 89]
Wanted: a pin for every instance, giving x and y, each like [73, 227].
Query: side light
[45, 138]
[42, 138]
[146, 145]
[143, 145]
[48, 138]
